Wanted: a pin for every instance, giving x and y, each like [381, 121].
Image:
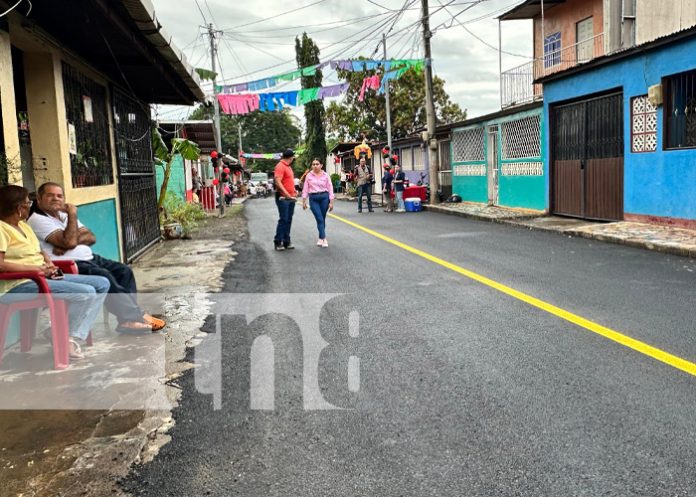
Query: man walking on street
[364, 177]
[399, 178]
[284, 180]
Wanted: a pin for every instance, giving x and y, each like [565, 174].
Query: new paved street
[466, 389]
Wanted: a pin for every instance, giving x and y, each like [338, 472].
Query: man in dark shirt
[399, 179]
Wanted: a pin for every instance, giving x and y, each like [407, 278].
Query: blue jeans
[319, 204]
[400, 200]
[121, 301]
[83, 294]
[286, 208]
[366, 189]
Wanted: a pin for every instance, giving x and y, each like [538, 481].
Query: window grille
[418, 159]
[406, 156]
[680, 110]
[470, 170]
[523, 169]
[643, 125]
[522, 138]
[552, 50]
[467, 145]
[87, 111]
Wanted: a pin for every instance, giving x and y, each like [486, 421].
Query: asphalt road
[464, 390]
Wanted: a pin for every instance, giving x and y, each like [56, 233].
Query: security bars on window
[522, 138]
[467, 145]
[643, 125]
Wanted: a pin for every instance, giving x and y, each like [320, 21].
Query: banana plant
[180, 146]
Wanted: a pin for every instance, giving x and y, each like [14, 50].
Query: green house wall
[177, 178]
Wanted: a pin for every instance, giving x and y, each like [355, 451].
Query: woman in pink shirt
[318, 188]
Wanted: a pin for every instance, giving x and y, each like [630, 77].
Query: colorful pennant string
[343, 65]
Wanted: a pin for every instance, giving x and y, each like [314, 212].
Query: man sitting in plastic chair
[63, 237]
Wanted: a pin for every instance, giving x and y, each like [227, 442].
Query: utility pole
[386, 88]
[239, 152]
[433, 162]
[216, 106]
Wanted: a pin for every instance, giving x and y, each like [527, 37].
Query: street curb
[630, 242]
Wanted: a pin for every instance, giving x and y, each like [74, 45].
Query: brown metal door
[587, 158]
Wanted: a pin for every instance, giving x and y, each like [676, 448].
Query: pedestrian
[284, 179]
[386, 188]
[318, 189]
[399, 179]
[364, 179]
[298, 182]
[196, 184]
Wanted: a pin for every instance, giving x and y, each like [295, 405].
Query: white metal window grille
[522, 138]
[643, 125]
[418, 159]
[406, 156]
[467, 145]
[523, 169]
[552, 50]
[470, 170]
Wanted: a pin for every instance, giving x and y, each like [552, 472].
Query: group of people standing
[318, 194]
[396, 180]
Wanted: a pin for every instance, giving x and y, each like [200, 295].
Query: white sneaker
[320, 242]
[324, 243]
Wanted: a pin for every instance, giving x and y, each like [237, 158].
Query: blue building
[622, 135]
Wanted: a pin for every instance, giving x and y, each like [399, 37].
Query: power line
[362, 18]
[274, 16]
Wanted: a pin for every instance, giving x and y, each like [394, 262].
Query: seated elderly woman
[20, 251]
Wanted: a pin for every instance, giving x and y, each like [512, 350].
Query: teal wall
[100, 218]
[471, 188]
[514, 189]
[177, 178]
[523, 191]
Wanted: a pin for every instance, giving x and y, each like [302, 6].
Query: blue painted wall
[660, 183]
[100, 218]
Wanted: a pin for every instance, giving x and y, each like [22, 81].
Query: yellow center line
[632, 343]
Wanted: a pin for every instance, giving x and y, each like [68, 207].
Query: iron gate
[136, 174]
[587, 158]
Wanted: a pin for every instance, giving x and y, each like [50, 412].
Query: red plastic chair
[58, 311]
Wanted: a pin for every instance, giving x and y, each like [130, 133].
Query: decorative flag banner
[245, 103]
[343, 65]
[274, 156]
[372, 83]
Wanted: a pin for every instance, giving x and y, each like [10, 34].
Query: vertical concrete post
[9, 111]
[47, 121]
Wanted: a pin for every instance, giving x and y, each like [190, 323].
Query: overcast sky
[252, 43]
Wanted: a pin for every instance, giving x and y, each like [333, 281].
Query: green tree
[307, 54]
[262, 132]
[352, 118]
[186, 148]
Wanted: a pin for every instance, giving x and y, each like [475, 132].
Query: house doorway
[493, 165]
[587, 158]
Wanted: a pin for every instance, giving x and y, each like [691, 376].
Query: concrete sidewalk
[670, 240]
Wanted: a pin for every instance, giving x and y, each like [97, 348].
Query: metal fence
[136, 174]
[517, 84]
[88, 128]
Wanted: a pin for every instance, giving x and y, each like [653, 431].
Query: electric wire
[275, 16]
